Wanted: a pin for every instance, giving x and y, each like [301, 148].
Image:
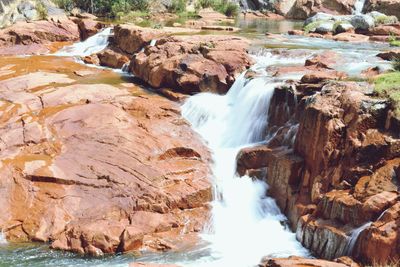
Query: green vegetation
[108, 8]
[41, 9]
[383, 19]
[177, 6]
[312, 26]
[388, 85]
[226, 7]
[393, 40]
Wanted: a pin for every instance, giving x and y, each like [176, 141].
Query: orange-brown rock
[337, 180]
[111, 58]
[96, 168]
[388, 7]
[88, 27]
[300, 262]
[191, 64]
[36, 37]
[386, 30]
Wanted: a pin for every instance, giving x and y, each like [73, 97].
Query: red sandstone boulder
[192, 64]
[37, 36]
[88, 27]
[299, 262]
[112, 59]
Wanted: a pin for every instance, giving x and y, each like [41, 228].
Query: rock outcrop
[96, 168]
[187, 64]
[333, 168]
[36, 37]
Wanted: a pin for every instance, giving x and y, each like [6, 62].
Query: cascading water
[352, 240]
[3, 240]
[92, 45]
[246, 224]
[358, 7]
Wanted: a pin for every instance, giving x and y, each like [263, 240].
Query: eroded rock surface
[333, 168]
[96, 168]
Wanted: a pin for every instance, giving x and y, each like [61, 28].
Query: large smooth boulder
[96, 168]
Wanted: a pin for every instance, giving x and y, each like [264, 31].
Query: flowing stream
[246, 224]
[241, 210]
[358, 7]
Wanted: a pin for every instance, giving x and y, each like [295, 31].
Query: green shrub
[41, 9]
[206, 3]
[388, 85]
[177, 6]
[142, 5]
[67, 5]
[119, 8]
[383, 19]
[312, 26]
[230, 9]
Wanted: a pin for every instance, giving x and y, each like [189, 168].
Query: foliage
[105, 7]
[388, 85]
[226, 7]
[393, 40]
[383, 19]
[312, 26]
[65, 4]
[41, 10]
[230, 9]
[177, 6]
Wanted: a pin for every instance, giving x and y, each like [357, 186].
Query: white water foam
[3, 240]
[358, 7]
[246, 225]
[92, 45]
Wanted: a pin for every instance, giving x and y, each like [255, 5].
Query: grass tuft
[388, 85]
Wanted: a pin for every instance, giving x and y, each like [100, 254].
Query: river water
[246, 224]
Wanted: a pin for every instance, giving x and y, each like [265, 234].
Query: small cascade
[354, 234]
[92, 45]
[246, 224]
[3, 240]
[125, 67]
[358, 7]
[153, 42]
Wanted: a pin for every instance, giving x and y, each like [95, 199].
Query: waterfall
[358, 7]
[3, 240]
[246, 224]
[92, 45]
[352, 240]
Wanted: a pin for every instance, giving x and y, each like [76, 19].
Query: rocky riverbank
[332, 166]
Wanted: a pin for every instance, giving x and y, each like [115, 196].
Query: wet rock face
[96, 168]
[337, 181]
[191, 64]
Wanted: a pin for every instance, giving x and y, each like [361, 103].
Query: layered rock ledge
[333, 168]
